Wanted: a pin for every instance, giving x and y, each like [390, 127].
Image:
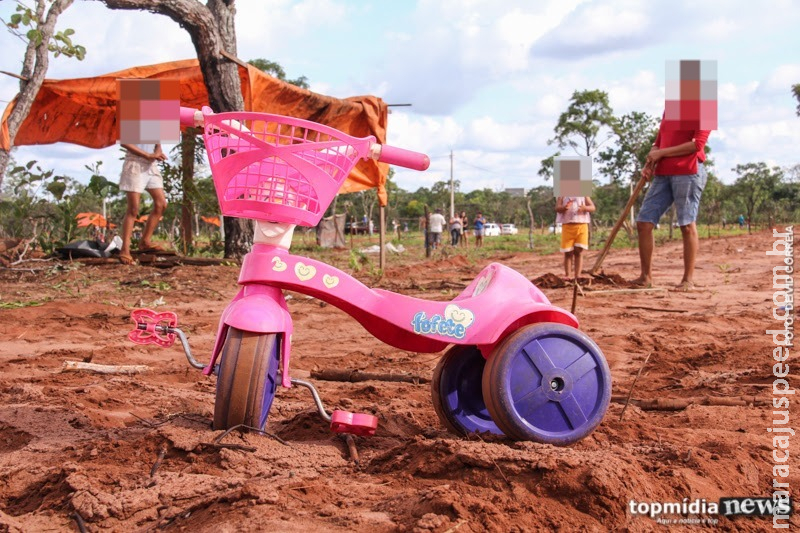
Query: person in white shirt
[437, 223]
[140, 173]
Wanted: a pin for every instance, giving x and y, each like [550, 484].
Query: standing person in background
[140, 173]
[438, 223]
[464, 226]
[575, 218]
[455, 229]
[675, 165]
[479, 223]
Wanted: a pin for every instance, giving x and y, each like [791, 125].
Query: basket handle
[400, 157]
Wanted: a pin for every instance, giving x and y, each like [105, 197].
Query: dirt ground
[89, 443]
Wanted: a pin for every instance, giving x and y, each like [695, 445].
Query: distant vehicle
[491, 230]
[555, 228]
[508, 229]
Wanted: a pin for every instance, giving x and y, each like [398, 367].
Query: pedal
[153, 328]
[360, 424]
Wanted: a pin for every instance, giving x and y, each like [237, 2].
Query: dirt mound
[137, 452]
[549, 281]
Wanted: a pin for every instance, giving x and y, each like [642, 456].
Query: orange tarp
[93, 219]
[84, 111]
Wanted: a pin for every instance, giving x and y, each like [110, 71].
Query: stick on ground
[633, 385]
[351, 447]
[574, 297]
[161, 454]
[357, 375]
[624, 291]
[656, 309]
[76, 366]
[679, 404]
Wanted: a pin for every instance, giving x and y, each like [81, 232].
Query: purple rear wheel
[547, 383]
[456, 392]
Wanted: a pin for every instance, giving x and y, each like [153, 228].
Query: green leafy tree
[580, 126]
[36, 26]
[634, 134]
[754, 187]
[546, 166]
[42, 206]
[274, 69]
[543, 205]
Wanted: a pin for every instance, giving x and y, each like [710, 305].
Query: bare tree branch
[34, 67]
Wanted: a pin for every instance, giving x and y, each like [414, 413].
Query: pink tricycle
[517, 365]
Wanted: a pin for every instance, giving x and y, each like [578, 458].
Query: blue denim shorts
[685, 191]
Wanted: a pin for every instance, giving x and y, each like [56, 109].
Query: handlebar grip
[404, 158]
[188, 117]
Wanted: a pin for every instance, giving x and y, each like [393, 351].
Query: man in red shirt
[676, 161]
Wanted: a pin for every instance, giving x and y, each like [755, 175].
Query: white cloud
[460, 47]
[780, 81]
[593, 29]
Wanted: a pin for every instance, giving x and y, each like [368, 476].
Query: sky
[486, 79]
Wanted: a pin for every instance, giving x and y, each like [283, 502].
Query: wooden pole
[615, 229]
[187, 145]
[427, 225]
[532, 226]
[382, 236]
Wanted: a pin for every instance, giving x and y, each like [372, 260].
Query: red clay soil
[88, 444]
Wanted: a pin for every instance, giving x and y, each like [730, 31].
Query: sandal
[638, 284]
[126, 259]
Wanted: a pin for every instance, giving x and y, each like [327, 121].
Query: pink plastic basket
[277, 168]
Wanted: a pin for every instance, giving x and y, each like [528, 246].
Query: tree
[546, 166]
[755, 185]
[41, 39]
[579, 126]
[634, 135]
[212, 30]
[543, 207]
[274, 69]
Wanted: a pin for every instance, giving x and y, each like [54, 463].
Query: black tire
[247, 379]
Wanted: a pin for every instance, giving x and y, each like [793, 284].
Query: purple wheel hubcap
[556, 382]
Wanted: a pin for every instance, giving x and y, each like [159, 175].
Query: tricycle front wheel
[247, 380]
[547, 383]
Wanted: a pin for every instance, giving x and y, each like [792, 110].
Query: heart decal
[304, 272]
[330, 281]
[482, 284]
[465, 317]
[278, 265]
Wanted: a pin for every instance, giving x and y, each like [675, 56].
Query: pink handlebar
[404, 158]
[190, 117]
[187, 116]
